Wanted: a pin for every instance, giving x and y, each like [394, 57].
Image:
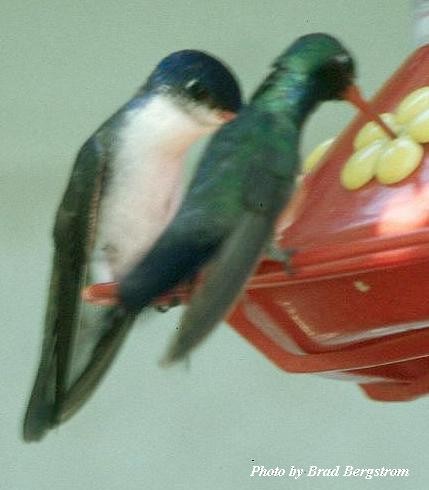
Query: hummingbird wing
[223, 284]
[73, 237]
[265, 194]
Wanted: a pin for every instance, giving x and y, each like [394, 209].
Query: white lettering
[255, 469]
[262, 471]
[369, 473]
[315, 471]
[296, 472]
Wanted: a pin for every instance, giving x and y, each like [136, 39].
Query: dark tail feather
[103, 356]
[40, 411]
[44, 410]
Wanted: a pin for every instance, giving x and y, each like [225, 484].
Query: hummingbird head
[200, 83]
[326, 62]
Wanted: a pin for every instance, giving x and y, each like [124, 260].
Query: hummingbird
[244, 180]
[124, 189]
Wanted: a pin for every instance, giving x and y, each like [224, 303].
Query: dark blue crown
[197, 76]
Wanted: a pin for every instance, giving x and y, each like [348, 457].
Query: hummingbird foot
[282, 255]
[288, 254]
[176, 297]
[172, 301]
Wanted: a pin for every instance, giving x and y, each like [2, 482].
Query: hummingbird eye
[334, 76]
[196, 90]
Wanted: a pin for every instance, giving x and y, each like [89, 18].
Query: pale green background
[65, 66]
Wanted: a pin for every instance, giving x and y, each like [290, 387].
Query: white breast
[145, 185]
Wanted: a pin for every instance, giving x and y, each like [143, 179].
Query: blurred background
[65, 67]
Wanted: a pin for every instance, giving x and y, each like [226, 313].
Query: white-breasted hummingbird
[124, 189]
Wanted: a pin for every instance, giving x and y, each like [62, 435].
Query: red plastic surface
[357, 304]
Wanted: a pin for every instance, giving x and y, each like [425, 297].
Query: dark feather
[176, 257]
[222, 286]
[72, 236]
[117, 324]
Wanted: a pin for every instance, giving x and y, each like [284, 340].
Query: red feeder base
[357, 305]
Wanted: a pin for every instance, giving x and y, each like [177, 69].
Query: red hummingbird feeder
[355, 305]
